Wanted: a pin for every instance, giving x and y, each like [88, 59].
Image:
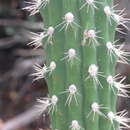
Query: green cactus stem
[79, 60]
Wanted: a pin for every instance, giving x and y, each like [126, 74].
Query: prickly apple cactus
[81, 53]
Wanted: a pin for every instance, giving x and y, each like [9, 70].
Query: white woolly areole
[107, 11]
[90, 1]
[110, 80]
[69, 17]
[91, 36]
[50, 30]
[109, 45]
[91, 33]
[54, 99]
[111, 116]
[71, 53]
[95, 107]
[75, 125]
[72, 89]
[93, 70]
[52, 66]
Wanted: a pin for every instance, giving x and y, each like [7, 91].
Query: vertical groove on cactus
[89, 58]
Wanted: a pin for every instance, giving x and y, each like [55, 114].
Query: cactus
[81, 53]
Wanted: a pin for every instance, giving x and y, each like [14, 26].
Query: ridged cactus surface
[81, 53]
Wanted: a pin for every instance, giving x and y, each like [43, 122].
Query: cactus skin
[103, 62]
[89, 57]
[55, 53]
[72, 36]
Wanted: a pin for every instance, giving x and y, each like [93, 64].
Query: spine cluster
[80, 70]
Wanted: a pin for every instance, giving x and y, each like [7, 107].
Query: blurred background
[17, 91]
